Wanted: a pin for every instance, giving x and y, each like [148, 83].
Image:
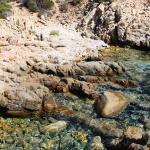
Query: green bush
[75, 2]
[40, 13]
[110, 1]
[54, 32]
[45, 3]
[63, 7]
[4, 7]
[100, 1]
[35, 5]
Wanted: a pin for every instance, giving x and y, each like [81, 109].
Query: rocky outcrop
[22, 100]
[120, 22]
[80, 88]
[139, 141]
[81, 68]
[96, 79]
[97, 126]
[110, 103]
[94, 57]
[20, 96]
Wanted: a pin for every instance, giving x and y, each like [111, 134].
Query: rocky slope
[122, 22]
[28, 48]
[33, 62]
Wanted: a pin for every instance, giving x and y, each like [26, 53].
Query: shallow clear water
[24, 133]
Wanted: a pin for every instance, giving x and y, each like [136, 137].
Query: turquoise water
[25, 133]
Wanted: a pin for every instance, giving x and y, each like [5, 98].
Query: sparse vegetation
[4, 7]
[63, 7]
[35, 5]
[100, 1]
[75, 2]
[54, 32]
[40, 13]
[45, 3]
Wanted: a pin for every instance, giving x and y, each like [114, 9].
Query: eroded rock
[54, 128]
[111, 103]
[135, 141]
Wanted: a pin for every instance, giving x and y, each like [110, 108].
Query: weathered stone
[80, 136]
[95, 125]
[54, 128]
[37, 43]
[94, 57]
[135, 141]
[96, 144]
[96, 79]
[49, 103]
[81, 68]
[91, 79]
[62, 87]
[4, 43]
[20, 142]
[111, 103]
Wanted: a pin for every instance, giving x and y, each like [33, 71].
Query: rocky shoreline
[122, 23]
[34, 65]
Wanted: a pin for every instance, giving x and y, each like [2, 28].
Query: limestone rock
[111, 103]
[37, 43]
[4, 43]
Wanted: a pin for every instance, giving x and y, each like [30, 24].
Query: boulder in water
[111, 103]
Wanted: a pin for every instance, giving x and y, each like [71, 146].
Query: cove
[87, 130]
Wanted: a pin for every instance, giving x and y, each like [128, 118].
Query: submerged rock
[110, 103]
[139, 141]
[80, 88]
[97, 79]
[97, 126]
[54, 128]
[80, 136]
[96, 144]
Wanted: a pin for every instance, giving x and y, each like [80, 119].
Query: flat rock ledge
[81, 68]
[97, 79]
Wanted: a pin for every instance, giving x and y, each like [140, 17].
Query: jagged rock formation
[120, 22]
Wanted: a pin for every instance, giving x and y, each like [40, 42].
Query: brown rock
[140, 141]
[111, 103]
[91, 79]
[20, 142]
[54, 128]
[91, 94]
[62, 87]
[49, 103]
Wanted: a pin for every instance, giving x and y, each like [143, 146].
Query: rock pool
[58, 132]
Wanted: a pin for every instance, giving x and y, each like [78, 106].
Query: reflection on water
[45, 132]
